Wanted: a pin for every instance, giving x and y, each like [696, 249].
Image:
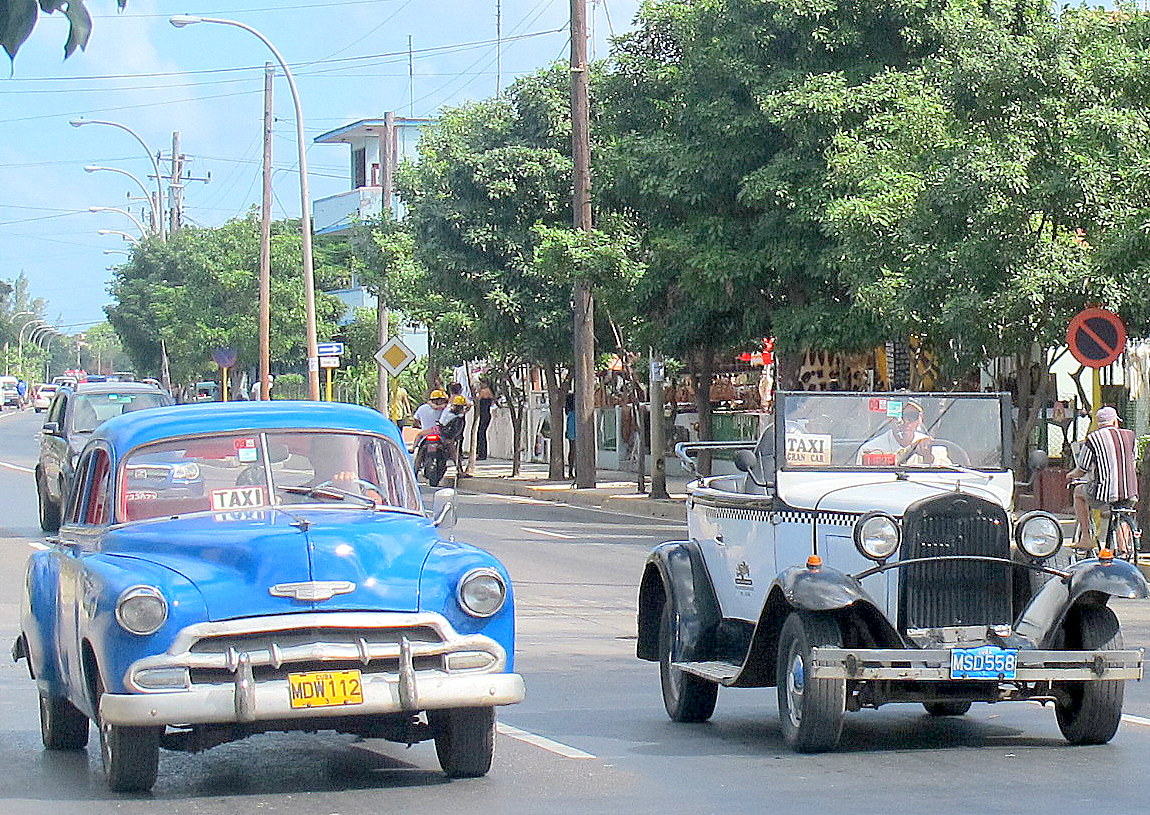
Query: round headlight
[877, 535]
[1038, 534]
[482, 592]
[141, 610]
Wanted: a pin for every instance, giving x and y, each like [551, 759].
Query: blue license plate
[984, 662]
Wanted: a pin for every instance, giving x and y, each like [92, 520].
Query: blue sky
[350, 59]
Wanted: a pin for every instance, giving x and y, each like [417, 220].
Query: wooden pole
[387, 160]
[584, 303]
[265, 315]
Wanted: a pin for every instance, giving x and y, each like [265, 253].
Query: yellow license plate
[325, 689]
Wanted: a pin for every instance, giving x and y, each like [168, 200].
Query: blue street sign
[330, 349]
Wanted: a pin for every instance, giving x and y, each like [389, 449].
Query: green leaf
[17, 19]
[80, 27]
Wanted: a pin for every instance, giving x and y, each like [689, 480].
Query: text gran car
[867, 553]
[233, 568]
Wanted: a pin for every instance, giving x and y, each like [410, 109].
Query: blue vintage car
[230, 569]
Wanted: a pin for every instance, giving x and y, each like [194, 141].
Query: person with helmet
[427, 417]
[451, 424]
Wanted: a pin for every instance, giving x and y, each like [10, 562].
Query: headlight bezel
[878, 556]
[475, 574]
[140, 592]
[1020, 534]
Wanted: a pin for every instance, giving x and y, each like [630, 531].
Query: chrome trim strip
[934, 664]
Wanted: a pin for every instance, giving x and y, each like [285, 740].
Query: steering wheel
[367, 489]
[250, 476]
[924, 448]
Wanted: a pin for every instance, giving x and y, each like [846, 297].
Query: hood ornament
[312, 590]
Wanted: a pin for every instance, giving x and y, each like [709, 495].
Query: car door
[87, 511]
[53, 444]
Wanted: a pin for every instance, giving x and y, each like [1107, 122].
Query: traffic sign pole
[329, 384]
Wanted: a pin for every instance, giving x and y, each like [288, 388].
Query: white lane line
[519, 499]
[548, 534]
[38, 545]
[16, 467]
[1126, 717]
[541, 742]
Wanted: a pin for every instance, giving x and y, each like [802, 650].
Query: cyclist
[1106, 457]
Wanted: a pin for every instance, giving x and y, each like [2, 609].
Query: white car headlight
[481, 592]
[1038, 535]
[141, 610]
[877, 535]
[187, 471]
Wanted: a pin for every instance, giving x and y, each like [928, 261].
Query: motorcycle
[436, 453]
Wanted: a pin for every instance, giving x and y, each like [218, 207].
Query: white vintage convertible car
[867, 553]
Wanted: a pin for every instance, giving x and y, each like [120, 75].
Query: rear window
[92, 409]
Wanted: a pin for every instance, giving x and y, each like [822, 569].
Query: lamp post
[139, 224]
[20, 339]
[180, 21]
[157, 216]
[117, 252]
[151, 155]
[124, 235]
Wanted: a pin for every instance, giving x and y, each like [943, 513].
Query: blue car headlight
[481, 592]
[141, 610]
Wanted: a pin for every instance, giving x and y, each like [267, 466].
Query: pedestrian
[22, 393]
[401, 408]
[1106, 458]
[569, 409]
[486, 397]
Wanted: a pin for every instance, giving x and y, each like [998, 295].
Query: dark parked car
[246, 567]
[76, 411]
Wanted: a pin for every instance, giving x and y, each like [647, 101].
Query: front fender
[675, 573]
[1042, 619]
[821, 589]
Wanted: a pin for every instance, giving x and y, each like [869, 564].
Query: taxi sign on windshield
[808, 448]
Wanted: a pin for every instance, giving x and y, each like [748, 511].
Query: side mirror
[1038, 460]
[443, 509]
[51, 429]
[745, 460]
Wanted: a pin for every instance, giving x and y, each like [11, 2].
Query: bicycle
[1117, 514]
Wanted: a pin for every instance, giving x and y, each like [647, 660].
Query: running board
[725, 673]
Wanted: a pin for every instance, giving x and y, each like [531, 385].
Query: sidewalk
[614, 491]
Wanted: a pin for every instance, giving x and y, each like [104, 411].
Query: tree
[18, 19]
[197, 292]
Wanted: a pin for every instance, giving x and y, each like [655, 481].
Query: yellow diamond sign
[394, 356]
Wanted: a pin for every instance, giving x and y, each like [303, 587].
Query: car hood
[886, 493]
[373, 559]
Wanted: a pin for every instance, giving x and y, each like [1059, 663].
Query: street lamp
[139, 225]
[117, 252]
[20, 340]
[151, 155]
[124, 235]
[182, 20]
[157, 216]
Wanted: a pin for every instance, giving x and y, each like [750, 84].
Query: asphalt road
[592, 736]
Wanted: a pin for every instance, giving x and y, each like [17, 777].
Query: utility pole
[498, 47]
[387, 149]
[658, 434]
[583, 303]
[265, 241]
[176, 185]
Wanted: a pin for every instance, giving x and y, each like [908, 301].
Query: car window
[74, 500]
[230, 473]
[97, 498]
[57, 408]
[92, 409]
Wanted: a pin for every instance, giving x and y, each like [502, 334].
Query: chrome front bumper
[482, 682]
[933, 665]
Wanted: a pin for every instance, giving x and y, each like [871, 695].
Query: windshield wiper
[334, 493]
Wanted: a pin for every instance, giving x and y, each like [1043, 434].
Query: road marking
[541, 742]
[548, 534]
[519, 499]
[1126, 717]
[38, 545]
[16, 467]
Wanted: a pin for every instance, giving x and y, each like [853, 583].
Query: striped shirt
[1108, 455]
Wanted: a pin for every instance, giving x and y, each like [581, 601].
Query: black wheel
[464, 740]
[810, 710]
[687, 698]
[434, 469]
[131, 755]
[1089, 712]
[946, 708]
[62, 726]
[1122, 526]
[49, 509]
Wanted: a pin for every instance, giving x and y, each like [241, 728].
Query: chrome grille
[955, 592]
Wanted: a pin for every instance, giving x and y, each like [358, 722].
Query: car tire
[131, 755]
[946, 708]
[687, 698]
[49, 509]
[464, 740]
[62, 726]
[810, 710]
[1090, 712]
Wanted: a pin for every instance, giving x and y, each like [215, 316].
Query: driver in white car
[903, 443]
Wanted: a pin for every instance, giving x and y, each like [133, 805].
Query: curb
[637, 505]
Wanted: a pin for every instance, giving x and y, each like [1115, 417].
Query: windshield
[864, 431]
[248, 471]
[92, 409]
